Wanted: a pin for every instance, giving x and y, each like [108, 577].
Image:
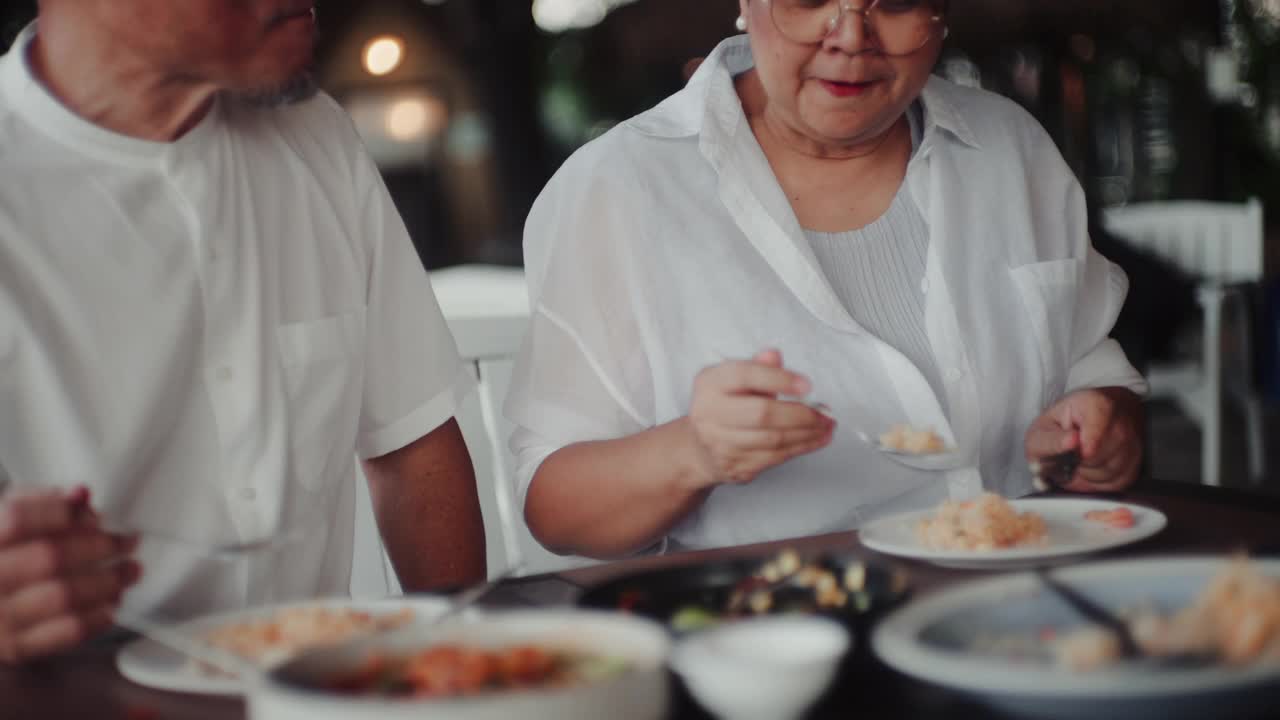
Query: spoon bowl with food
[922, 449]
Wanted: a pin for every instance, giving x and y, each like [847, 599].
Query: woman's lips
[846, 89]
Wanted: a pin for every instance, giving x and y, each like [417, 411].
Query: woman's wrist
[695, 473]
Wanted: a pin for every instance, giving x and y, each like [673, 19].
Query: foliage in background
[1254, 33]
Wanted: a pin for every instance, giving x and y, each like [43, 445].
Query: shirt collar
[709, 103]
[27, 96]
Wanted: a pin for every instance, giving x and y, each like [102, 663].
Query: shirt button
[924, 286]
[248, 493]
[223, 374]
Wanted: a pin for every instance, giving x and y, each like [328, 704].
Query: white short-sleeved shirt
[207, 332]
[667, 245]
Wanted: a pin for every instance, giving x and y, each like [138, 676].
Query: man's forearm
[424, 496]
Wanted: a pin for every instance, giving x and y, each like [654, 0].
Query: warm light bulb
[406, 119]
[383, 54]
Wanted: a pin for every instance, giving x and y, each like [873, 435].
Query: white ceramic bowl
[767, 668]
[933, 639]
[639, 693]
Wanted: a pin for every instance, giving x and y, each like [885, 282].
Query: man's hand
[1105, 424]
[740, 426]
[61, 577]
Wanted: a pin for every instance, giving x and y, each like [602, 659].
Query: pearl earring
[945, 32]
[741, 24]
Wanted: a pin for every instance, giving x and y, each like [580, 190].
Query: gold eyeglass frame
[843, 6]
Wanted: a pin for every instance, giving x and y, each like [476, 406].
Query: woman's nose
[851, 31]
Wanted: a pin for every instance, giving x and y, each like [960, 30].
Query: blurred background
[469, 106]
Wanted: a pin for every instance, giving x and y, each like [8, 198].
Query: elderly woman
[813, 215]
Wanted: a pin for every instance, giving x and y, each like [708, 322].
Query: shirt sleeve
[1097, 359]
[1061, 215]
[414, 380]
[581, 373]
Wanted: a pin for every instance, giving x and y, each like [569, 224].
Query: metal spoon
[473, 594]
[818, 407]
[946, 459]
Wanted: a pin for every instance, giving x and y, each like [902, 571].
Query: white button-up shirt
[207, 332]
[667, 245]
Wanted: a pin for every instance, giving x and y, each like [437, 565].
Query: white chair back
[1220, 244]
[1213, 241]
[487, 309]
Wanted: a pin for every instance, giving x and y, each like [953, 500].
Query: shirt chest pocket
[1049, 292]
[322, 364]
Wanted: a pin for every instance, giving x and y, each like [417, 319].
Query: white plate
[1070, 535]
[638, 693]
[149, 663]
[930, 639]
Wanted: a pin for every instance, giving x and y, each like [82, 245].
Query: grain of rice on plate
[987, 522]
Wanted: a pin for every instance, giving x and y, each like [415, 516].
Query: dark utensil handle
[1093, 611]
[1055, 471]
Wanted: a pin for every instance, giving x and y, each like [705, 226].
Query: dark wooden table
[85, 683]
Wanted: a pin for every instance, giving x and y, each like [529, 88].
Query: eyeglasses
[897, 27]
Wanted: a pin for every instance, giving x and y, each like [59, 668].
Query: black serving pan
[661, 594]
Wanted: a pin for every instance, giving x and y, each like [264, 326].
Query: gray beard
[302, 86]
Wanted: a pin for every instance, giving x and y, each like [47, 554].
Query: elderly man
[208, 308]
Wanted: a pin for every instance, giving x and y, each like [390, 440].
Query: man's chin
[301, 86]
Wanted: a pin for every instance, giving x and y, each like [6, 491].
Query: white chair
[487, 308]
[1221, 245]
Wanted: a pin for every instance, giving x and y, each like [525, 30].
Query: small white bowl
[768, 668]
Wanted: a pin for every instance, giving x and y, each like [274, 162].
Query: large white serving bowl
[639, 693]
[931, 639]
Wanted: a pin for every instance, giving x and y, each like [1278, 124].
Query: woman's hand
[739, 426]
[61, 577]
[1105, 424]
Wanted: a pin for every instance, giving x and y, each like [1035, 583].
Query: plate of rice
[990, 532]
[267, 636]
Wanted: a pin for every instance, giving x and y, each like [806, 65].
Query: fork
[1130, 650]
[1054, 472]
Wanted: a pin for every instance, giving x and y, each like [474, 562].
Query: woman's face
[842, 91]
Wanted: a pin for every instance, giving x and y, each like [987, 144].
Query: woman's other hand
[1105, 425]
[740, 427]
